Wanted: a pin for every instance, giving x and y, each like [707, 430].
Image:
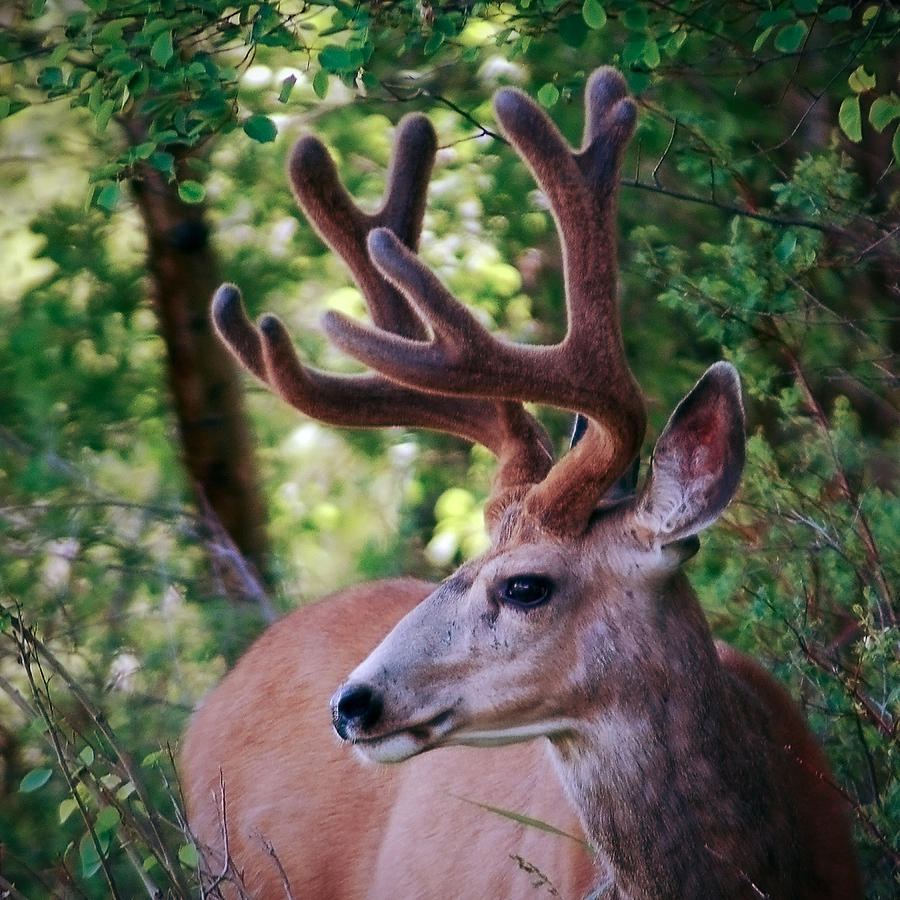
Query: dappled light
[158, 510]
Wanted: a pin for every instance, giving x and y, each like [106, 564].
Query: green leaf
[16, 106]
[774, 17]
[111, 33]
[108, 198]
[334, 58]
[143, 151]
[860, 80]
[447, 25]
[163, 162]
[125, 791]
[785, 248]
[838, 14]
[188, 856]
[633, 51]
[34, 780]
[789, 38]
[593, 14]
[883, 111]
[162, 50]
[806, 7]
[104, 173]
[320, 84]
[139, 83]
[66, 808]
[674, 42]
[95, 97]
[651, 53]
[59, 54]
[261, 128]
[153, 27]
[87, 755]
[548, 95]
[90, 859]
[433, 44]
[108, 819]
[50, 78]
[81, 77]
[197, 71]
[191, 191]
[850, 119]
[895, 145]
[286, 87]
[762, 38]
[104, 114]
[154, 758]
[278, 37]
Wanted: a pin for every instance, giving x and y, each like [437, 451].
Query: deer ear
[697, 461]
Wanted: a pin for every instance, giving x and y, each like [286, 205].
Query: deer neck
[670, 788]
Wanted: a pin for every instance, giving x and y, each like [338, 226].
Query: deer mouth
[403, 743]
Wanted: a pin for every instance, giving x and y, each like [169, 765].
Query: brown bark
[206, 393]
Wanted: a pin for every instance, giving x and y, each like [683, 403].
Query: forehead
[543, 557]
[521, 545]
[517, 528]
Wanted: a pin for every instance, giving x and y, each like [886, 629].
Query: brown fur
[344, 829]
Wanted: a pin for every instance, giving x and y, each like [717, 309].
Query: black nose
[355, 708]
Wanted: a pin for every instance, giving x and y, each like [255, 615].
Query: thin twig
[655, 173]
[886, 606]
[269, 847]
[153, 837]
[734, 209]
[24, 642]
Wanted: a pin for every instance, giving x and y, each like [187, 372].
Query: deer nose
[355, 708]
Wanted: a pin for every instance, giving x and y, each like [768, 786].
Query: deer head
[579, 596]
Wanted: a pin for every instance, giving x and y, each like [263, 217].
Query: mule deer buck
[670, 766]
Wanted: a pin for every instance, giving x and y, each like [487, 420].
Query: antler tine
[368, 400]
[344, 227]
[582, 190]
[237, 332]
[588, 371]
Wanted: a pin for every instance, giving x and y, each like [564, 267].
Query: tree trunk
[206, 393]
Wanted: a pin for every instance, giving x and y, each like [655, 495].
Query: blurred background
[158, 509]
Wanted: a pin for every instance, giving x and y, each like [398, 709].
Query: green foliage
[261, 128]
[758, 222]
[108, 809]
[173, 71]
[815, 597]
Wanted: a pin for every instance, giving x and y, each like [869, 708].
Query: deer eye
[526, 591]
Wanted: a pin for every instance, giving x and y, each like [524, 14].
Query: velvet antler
[587, 372]
[372, 400]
